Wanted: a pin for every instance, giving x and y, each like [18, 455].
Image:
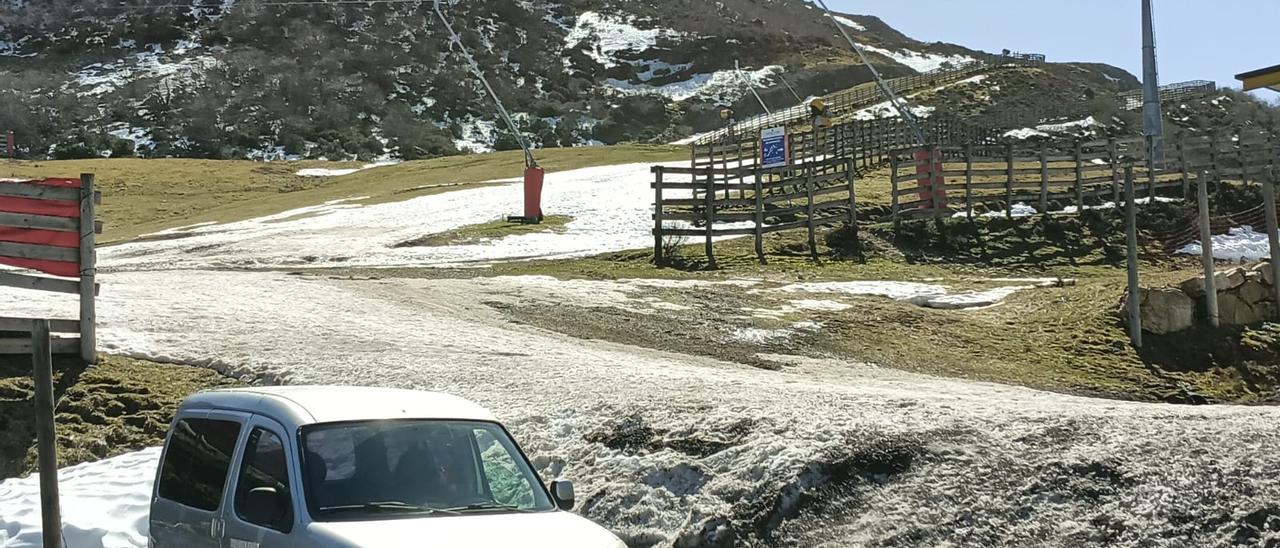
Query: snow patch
[322, 172]
[850, 23]
[605, 36]
[105, 504]
[1238, 244]
[1048, 130]
[921, 62]
[920, 294]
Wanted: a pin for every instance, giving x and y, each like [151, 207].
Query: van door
[263, 472]
[192, 479]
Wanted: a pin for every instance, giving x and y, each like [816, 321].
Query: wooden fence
[864, 95]
[938, 181]
[867, 142]
[1133, 100]
[48, 225]
[698, 202]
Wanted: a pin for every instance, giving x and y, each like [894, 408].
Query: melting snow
[607, 35]
[1238, 244]
[920, 294]
[1047, 130]
[921, 62]
[850, 23]
[104, 504]
[322, 172]
[720, 86]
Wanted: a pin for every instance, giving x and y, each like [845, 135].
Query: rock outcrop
[1246, 295]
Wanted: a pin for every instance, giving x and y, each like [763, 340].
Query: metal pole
[1273, 233]
[737, 69]
[1206, 253]
[1152, 115]
[1131, 227]
[884, 88]
[46, 440]
[529, 160]
[88, 272]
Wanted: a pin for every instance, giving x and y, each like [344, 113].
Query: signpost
[773, 147]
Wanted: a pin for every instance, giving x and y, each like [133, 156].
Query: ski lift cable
[737, 69]
[884, 88]
[529, 160]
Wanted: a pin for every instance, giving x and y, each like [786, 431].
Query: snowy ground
[1239, 244]
[667, 449]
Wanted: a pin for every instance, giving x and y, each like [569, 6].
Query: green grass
[117, 406]
[493, 230]
[142, 196]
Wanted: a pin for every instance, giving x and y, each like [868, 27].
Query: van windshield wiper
[487, 506]
[385, 506]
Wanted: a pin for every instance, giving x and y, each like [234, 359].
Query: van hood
[540, 530]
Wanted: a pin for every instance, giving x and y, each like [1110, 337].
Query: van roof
[302, 405]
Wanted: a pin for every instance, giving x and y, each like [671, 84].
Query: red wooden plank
[41, 237]
[65, 183]
[34, 206]
[56, 268]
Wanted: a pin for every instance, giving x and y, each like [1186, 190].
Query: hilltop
[244, 80]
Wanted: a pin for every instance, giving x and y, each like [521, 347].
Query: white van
[347, 467]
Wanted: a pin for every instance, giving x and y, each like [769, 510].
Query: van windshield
[389, 469]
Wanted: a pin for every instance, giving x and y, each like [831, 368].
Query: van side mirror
[562, 494]
[264, 506]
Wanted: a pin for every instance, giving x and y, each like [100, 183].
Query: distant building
[1264, 78]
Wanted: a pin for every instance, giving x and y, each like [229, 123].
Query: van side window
[194, 472]
[265, 465]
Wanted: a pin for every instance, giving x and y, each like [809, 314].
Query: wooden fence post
[1182, 161]
[710, 216]
[1008, 185]
[88, 273]
[1131, 230]
[1044, 179]
[1273, 233]
[1206, 253]
[808, 188]
[893, 181]
[968, 182]
[1113, 151]
[759, 184]
[657, 216]
[1079, 178]
[46, 435]
[937, 184]
[849, 168]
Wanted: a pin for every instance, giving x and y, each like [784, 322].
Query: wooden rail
[962, 179]
[698, 202]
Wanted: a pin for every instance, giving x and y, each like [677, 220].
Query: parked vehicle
[346, 467]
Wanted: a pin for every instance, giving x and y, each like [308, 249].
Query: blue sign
[773, 147]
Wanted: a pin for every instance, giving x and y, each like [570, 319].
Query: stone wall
[1245, 296]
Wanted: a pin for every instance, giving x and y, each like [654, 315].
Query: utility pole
[884, 88]
[737, 69]
[1153, 117]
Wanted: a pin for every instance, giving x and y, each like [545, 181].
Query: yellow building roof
[1258, 79]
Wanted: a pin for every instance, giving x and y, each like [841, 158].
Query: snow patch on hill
[169, 67]
[850, 23]
[921, 62]
[603, 36]
[719, 86]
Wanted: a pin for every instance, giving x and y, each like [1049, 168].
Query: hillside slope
[249, 79]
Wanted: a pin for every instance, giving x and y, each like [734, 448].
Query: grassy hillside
[142, 196]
